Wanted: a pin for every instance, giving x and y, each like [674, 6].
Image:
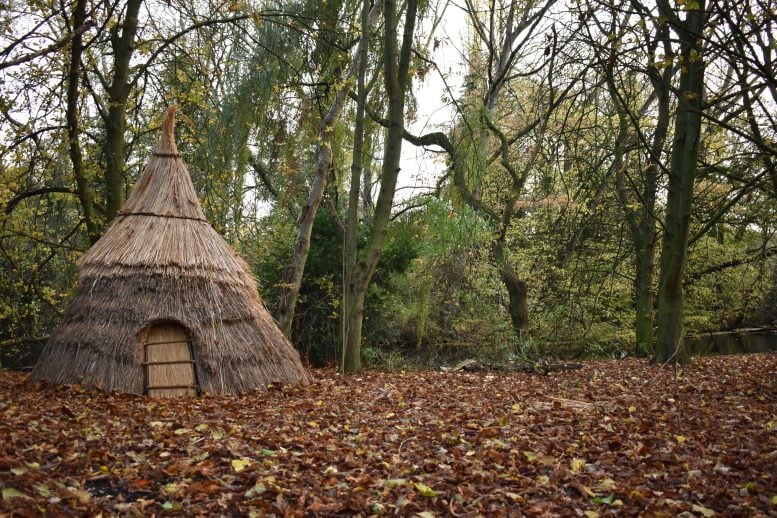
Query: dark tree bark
[83, 188]
[642, 221]
[123, 44]
[682, 175]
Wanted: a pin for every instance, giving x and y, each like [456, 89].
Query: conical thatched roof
[161, 261]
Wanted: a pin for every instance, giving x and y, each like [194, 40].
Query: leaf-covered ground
[615, 438]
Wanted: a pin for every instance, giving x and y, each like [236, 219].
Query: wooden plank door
[169, 363]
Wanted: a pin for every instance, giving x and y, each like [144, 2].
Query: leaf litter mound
[614, 438]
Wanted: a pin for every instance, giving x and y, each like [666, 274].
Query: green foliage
[445, 297]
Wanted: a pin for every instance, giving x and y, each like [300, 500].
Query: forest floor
[614, 438]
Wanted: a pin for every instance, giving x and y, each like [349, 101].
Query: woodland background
[607, 179]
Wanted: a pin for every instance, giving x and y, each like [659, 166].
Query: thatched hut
[164, 306]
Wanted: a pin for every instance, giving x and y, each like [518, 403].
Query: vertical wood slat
[169, 344]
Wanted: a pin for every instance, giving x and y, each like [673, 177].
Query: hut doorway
[169, 363]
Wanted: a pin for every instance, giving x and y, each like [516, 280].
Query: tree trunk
[517, 290]
[353, 300]
[116, 121]
[643, 300]
[353, 316]
[642, 221]
[296, 268]
[682, 174]
[396, 75]
[84, 190]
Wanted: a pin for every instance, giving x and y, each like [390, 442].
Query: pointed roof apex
[166, 144]
[165, 188]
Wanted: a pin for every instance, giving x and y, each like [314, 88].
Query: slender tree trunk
[682, 174]
[353, 301]
[116, 122]
[84, 190]
[396, 74]
[645, 236]
[643, 299]
[296, 267]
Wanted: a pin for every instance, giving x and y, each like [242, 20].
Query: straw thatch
[161, 261]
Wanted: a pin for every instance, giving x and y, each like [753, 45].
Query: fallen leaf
[255, 491]
[606, 484]
[425, 490]
[703, 510]
[240, 464]
[10, 492]
[394, 482]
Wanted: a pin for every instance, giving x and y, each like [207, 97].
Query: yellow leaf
[313, 424]
[82, 496]
[546, 460]
[240, 464]
[606, 484]
[425, 490]
[632, 409]
[576, 464]
[680, 438]
[591, 514]
[10, 492]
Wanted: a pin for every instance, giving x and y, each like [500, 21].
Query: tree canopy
[606, 178]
